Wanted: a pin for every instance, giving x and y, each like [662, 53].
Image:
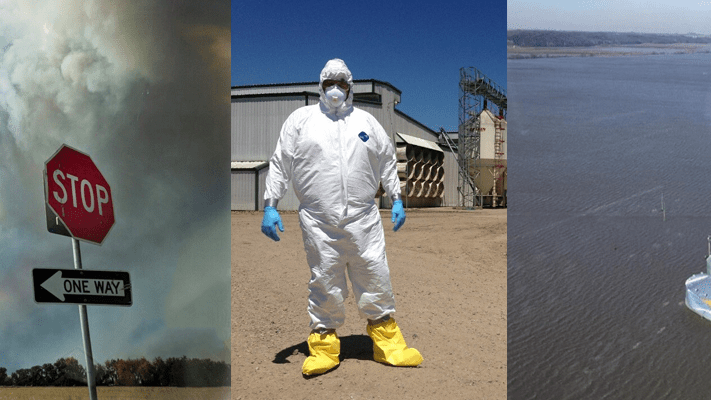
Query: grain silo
[481, 141]
[489, 162]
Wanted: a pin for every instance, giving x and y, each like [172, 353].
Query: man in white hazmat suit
[336, 155]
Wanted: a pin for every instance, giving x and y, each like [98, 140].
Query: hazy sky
[417, 46]
[682, 16]
[142, 87]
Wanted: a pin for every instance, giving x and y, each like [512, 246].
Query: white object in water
[698, 290]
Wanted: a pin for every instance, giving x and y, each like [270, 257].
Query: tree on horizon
[176, 372]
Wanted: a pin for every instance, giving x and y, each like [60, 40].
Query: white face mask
[335, 95]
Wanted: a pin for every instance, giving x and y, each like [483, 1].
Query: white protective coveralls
[336, 157]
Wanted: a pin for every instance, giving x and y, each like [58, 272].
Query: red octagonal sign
[78, 196]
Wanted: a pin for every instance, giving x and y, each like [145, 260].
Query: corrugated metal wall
[262, 180]
[404, 125]
[256, 123]
[270, 89]
[450, 197]
[242, 197]
[313, 100]
[358, 87]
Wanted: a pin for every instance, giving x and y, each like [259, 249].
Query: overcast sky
[668, 16]
[143, 88]
[417, 46]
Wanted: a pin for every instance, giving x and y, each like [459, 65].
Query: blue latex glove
[271, 218]
[398, 215]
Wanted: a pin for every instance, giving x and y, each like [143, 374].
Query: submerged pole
[664, 212]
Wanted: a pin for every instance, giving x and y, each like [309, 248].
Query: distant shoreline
[550, 44]
[519, 52]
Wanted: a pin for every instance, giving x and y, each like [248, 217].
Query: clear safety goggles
[330, 82]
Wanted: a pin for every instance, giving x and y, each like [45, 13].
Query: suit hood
[336, 69]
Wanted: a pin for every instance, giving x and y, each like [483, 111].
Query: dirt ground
[448, 271]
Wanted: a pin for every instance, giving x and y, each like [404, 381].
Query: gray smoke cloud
[143, 88]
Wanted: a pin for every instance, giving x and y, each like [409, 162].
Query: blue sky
[417, 46]
[667, 16]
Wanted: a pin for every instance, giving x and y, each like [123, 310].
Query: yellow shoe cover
[324, 349]
[389, 346]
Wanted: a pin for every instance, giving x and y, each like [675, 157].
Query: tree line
[546, 38]
[180, 372]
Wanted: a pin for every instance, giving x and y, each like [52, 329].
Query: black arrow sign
[81, 286]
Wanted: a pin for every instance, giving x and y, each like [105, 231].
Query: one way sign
[81, 286]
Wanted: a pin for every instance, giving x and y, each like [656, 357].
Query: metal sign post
[90, 376]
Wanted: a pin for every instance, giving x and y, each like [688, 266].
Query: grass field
[114, 393]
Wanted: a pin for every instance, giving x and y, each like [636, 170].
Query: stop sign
[78, 195]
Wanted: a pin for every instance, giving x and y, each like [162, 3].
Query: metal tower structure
[476, 93]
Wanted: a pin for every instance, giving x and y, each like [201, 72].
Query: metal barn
[426, 166]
